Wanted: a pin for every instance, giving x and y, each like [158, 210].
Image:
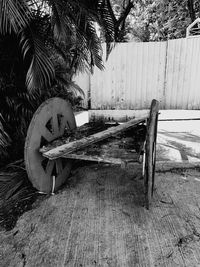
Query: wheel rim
[47, 124]
[149, 173]
[153, 166]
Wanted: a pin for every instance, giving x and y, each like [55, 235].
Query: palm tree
[66, 26]
[43, 43]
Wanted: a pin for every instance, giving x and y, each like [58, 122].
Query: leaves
[42, 45]
[41, 71]
[69, 26]
[16, 194]
[162, 19]
[14, 15]
[4, 140]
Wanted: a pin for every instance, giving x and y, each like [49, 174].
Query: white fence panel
[135, 73]
[83, 81]
[182, 89]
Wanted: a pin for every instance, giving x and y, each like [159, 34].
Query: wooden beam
[117, 161]
[71, 147]
[116, 115]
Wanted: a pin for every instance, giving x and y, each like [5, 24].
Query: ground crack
[23, 255]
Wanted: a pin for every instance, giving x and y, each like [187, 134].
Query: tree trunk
[119, 24]
[191, 9]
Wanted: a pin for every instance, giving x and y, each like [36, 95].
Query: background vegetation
[152, 20]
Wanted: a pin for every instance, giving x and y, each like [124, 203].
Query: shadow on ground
[178, 146]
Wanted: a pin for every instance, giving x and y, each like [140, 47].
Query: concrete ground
[179, 141]
[98, 218]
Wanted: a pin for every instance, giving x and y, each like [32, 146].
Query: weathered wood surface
[116, 161]
[47, 124]
[116, 115]
[71, 147]
[120, 150]
[150, 151]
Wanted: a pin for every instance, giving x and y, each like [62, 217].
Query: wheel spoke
[59, 167]
[47, 124]
[50, 166]
[63, 124]
[47, 134]
[55, 124]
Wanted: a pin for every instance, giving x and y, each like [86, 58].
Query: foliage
[158, 20]
[17, 105]
[65, 26]
[119, 12]
[42, 45]
[16, 194]
[152, 20]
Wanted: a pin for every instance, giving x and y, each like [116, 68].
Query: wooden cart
[49, 167]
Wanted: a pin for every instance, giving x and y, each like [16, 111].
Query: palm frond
[14, 15]
[41, 70]
[4, 141]
[74, 22]
[62, 25]
[107, 24]
[94, 45]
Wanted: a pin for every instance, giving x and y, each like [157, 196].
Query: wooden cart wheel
[150, 152]
[47, 124]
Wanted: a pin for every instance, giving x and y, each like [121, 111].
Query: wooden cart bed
[116, 145]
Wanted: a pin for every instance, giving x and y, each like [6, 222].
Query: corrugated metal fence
[135, 73]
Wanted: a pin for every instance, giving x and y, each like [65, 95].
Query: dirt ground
[99, 220]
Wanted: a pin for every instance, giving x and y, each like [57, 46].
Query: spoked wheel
[149, 161]
[47, 124]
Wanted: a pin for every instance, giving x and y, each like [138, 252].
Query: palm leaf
[14, 15]
[41, 70]
[4, 140]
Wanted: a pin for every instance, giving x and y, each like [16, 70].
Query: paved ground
[179, 141]
[99, 219]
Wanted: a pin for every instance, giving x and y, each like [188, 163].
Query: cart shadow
[184, 143]
[121, 190]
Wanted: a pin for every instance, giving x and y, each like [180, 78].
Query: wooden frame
[74, 150]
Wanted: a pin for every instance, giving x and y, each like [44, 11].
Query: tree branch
[190, 4]
[119, 24]
[125, 13]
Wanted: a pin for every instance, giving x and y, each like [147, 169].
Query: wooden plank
[110, 160]
[116, 115]
[60, 151]
[118, 150]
